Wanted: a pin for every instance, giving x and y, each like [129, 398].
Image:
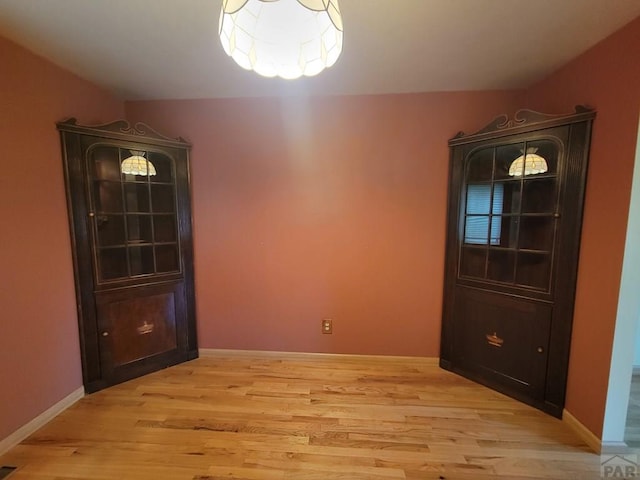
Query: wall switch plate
[327, 326]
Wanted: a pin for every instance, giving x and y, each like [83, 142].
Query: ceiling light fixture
[529, 164]
[136, 164]
[283, 38]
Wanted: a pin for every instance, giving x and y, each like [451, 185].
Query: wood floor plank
[270, 417]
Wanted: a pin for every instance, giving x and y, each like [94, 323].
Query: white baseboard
[583, 432]
[218, 352]
[38, 422]
[617, 448]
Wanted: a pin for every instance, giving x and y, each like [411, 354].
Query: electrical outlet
[327, 326]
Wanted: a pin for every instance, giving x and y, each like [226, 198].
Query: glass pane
[137, 197]
[536, 233]
[480, 166]
[501, 265]
[482, 200]
[472, 262]
[510, 196]
[505, 157]
[139, 229]
[162, 198]
[504, 231]
[135, 166]
[141, 260]
[107, 197]
[112, 263]
[533, 270]
[478, 199]
[134, 178]
[548, 150]
[167, 258]
[164, 227]
[478, 206]
[476, 229]
[540, 159]
[163, 166]
[110, 230]
[539, 195]
[105, 163]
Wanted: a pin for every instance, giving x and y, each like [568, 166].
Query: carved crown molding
[120, 129]
[523, 119]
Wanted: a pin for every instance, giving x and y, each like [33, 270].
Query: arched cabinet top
[522, 122]
[123, 130]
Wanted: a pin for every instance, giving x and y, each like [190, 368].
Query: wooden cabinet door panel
[502, 339]
[138, 323]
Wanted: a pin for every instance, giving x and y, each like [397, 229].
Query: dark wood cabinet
[513, 234]
[128, 198]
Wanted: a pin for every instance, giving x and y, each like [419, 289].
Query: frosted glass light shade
[136, 164]
[283, 38]
[528, 164]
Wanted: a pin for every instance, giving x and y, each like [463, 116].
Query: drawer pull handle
[145, 328]
[494, 340]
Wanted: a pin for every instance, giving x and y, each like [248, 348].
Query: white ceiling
[158, 49]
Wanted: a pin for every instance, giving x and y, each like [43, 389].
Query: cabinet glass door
[510, 200]
[133, 206]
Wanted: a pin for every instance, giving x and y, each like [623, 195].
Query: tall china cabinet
[129, 210]
[516, 191]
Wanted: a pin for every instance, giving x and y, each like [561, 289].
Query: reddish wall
[303, 209]
[606, 77]
[323, 207]
[39, 352]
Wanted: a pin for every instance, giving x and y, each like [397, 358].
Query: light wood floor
[282, 418]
